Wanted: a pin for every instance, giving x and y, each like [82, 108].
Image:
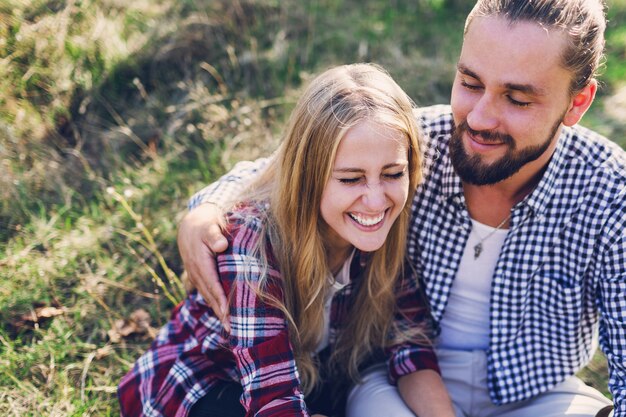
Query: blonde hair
[334, 102]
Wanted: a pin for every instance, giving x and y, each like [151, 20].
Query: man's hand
[200, 237]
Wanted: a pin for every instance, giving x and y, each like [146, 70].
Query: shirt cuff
[408, 359]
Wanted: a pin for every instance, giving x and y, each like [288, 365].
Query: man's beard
[472, 170]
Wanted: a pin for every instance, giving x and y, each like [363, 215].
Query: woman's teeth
[367, 221]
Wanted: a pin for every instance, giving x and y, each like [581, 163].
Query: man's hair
[582, 21]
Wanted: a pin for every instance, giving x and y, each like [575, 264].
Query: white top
[465, 322]
[339, 281]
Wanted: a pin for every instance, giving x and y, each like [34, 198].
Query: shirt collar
[451, 185]
[538, 199]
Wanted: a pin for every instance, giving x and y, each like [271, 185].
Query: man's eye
[470, 86]
[518, 103]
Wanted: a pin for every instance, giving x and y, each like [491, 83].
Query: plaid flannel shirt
[192, 352]
[561, 274]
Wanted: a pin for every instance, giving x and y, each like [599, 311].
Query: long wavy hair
[334, 102]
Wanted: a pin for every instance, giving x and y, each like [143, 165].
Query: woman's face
[368, 187]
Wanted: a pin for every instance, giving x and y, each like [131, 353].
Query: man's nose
[484, 115]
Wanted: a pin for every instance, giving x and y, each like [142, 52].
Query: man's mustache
[486, 135]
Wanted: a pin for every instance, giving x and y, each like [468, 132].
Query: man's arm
[228, 187]
[200, 232]
[612, 294]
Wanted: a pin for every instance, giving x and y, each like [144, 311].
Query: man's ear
[580, 103]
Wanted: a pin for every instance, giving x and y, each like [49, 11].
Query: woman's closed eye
[359, 180]
[350, 180]
[395, 175]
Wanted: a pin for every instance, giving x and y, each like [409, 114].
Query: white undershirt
[339, 281]
[465, 323]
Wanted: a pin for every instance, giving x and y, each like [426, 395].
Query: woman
[315, 271]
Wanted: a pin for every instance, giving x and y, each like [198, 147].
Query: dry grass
[113, 113]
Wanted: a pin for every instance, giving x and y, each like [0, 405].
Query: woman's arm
[259, 337]
[424, 393]
[413, 363]
[200, 234]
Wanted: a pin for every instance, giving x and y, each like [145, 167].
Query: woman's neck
[337, 257]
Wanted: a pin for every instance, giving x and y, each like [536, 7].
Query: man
[519, 228]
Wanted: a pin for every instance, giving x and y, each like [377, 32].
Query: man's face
[509, 97]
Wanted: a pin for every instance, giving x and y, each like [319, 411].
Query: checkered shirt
[561, 274]
[192, 352]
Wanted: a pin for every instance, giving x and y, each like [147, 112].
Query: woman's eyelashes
[362, 179]
[350, 180]
[395, 176]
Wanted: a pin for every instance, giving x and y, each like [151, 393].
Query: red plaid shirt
[192, 352]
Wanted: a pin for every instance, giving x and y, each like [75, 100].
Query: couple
[517, 234]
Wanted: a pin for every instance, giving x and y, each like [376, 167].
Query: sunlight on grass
[113, 113]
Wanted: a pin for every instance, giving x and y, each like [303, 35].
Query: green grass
[113, 113]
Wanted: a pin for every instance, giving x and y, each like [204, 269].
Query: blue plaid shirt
[561, 274]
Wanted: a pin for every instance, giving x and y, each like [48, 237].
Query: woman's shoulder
[249, 256]
[245, 226]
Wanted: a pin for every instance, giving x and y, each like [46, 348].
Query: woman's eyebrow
[361, 170]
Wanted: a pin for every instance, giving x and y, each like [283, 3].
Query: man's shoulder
[435, 120]
[436, 124]
[597, 153]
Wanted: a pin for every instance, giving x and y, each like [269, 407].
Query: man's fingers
[199, 238]
[220, 305]
[215, 239]
[205, 278]
[213, 296]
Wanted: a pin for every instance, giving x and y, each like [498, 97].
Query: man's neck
[491, 204]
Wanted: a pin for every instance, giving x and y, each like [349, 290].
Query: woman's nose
[374, 197]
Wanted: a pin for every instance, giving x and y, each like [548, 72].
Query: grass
[113, 113]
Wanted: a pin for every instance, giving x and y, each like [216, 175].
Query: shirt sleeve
[612, 306]
[259, 336]
[412, 313]
[227, 187]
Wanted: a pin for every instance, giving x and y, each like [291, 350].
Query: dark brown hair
[583, 22]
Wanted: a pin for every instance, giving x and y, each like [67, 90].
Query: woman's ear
[580, 103]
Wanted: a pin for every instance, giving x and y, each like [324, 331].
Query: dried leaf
[137, 324]
[36, 317]
[48, 312]
[103, 352]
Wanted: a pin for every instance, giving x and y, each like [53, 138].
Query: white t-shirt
[339, 281]
[465, 322]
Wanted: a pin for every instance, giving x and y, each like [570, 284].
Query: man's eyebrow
[526, 89]
[464, 70]
[523, 88]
